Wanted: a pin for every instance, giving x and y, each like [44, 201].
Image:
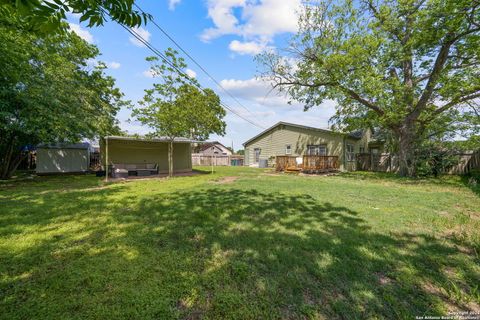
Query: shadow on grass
[472, 183]
[223, 253]
[443, 180]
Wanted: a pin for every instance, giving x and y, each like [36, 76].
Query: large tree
[46, 16]
[176, 106]
[396, 64]
[49, 92]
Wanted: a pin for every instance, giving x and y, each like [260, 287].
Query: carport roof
[158, 139]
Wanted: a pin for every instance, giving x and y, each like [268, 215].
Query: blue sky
[223, 36]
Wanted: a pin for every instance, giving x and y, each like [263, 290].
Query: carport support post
[170, 159]
[106, 159]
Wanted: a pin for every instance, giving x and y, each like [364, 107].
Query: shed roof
[350, 135]
[83, 145]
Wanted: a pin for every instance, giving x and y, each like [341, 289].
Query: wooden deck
[310, 164]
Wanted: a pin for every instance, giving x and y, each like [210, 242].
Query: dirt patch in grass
[383, 279]
[225, 180]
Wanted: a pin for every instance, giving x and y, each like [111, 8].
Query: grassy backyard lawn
[239, 243]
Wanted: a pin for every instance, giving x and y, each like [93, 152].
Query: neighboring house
[298, 140]
[138, 152]
[214, 148]
[63, 158]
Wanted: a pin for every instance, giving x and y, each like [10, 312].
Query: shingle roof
[351, 135]
[208, 144]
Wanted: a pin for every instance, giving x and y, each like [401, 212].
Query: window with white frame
[288, 149]
[362, 150]
[317, 150]
[350, 152]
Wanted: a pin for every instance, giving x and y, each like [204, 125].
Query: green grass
[350, 246]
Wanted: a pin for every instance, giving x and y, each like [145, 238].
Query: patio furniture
[135, 169]
[120, 173]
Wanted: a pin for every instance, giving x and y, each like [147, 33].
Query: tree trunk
[15, 163]
[6, 161]
[170, 159]
[406, 139]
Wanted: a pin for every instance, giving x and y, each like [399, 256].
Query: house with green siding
[297, 140]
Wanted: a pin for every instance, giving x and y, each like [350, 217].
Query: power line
[180, 72]
[195, 61]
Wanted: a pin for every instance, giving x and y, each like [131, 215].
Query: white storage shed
[63, 158]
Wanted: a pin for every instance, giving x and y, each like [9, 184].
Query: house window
[288, 149]
[362, 150]
[317, 150]
[350, 152]
[374, 150]
[256, 153]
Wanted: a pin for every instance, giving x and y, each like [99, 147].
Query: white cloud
[248, 47]
[191, 73]
[257, 22]
[252, 89]
[148, 73]
[142, 33]
[172, 4]
[270, 17]
[221, 13]
[114, 65]
[82, 33]
[270, 106]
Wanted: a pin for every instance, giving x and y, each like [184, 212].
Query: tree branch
[348, 91]
[434, 75]
[457, 101]
[363, 101]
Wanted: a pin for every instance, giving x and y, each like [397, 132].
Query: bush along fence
[465, 162]
[199, 159]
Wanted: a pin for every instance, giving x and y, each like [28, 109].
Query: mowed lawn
[240, 243]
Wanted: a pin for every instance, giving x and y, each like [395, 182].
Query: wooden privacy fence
[199, 159]
[386, 162]
[320, 163]
[310, 163]
[467, 162]
[95, 161]
[383, 162]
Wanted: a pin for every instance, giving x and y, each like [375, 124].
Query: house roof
[159, 139]
[208, 144]
[351, 135]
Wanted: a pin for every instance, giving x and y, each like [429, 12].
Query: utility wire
[195, 61]
[180, 72]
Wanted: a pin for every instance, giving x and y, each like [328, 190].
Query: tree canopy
[50, 92]
[46, 16]
[176, 106]
[407, 66]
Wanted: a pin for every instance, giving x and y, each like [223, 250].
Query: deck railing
[310, 163]
[284, 162]
[320, 163]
